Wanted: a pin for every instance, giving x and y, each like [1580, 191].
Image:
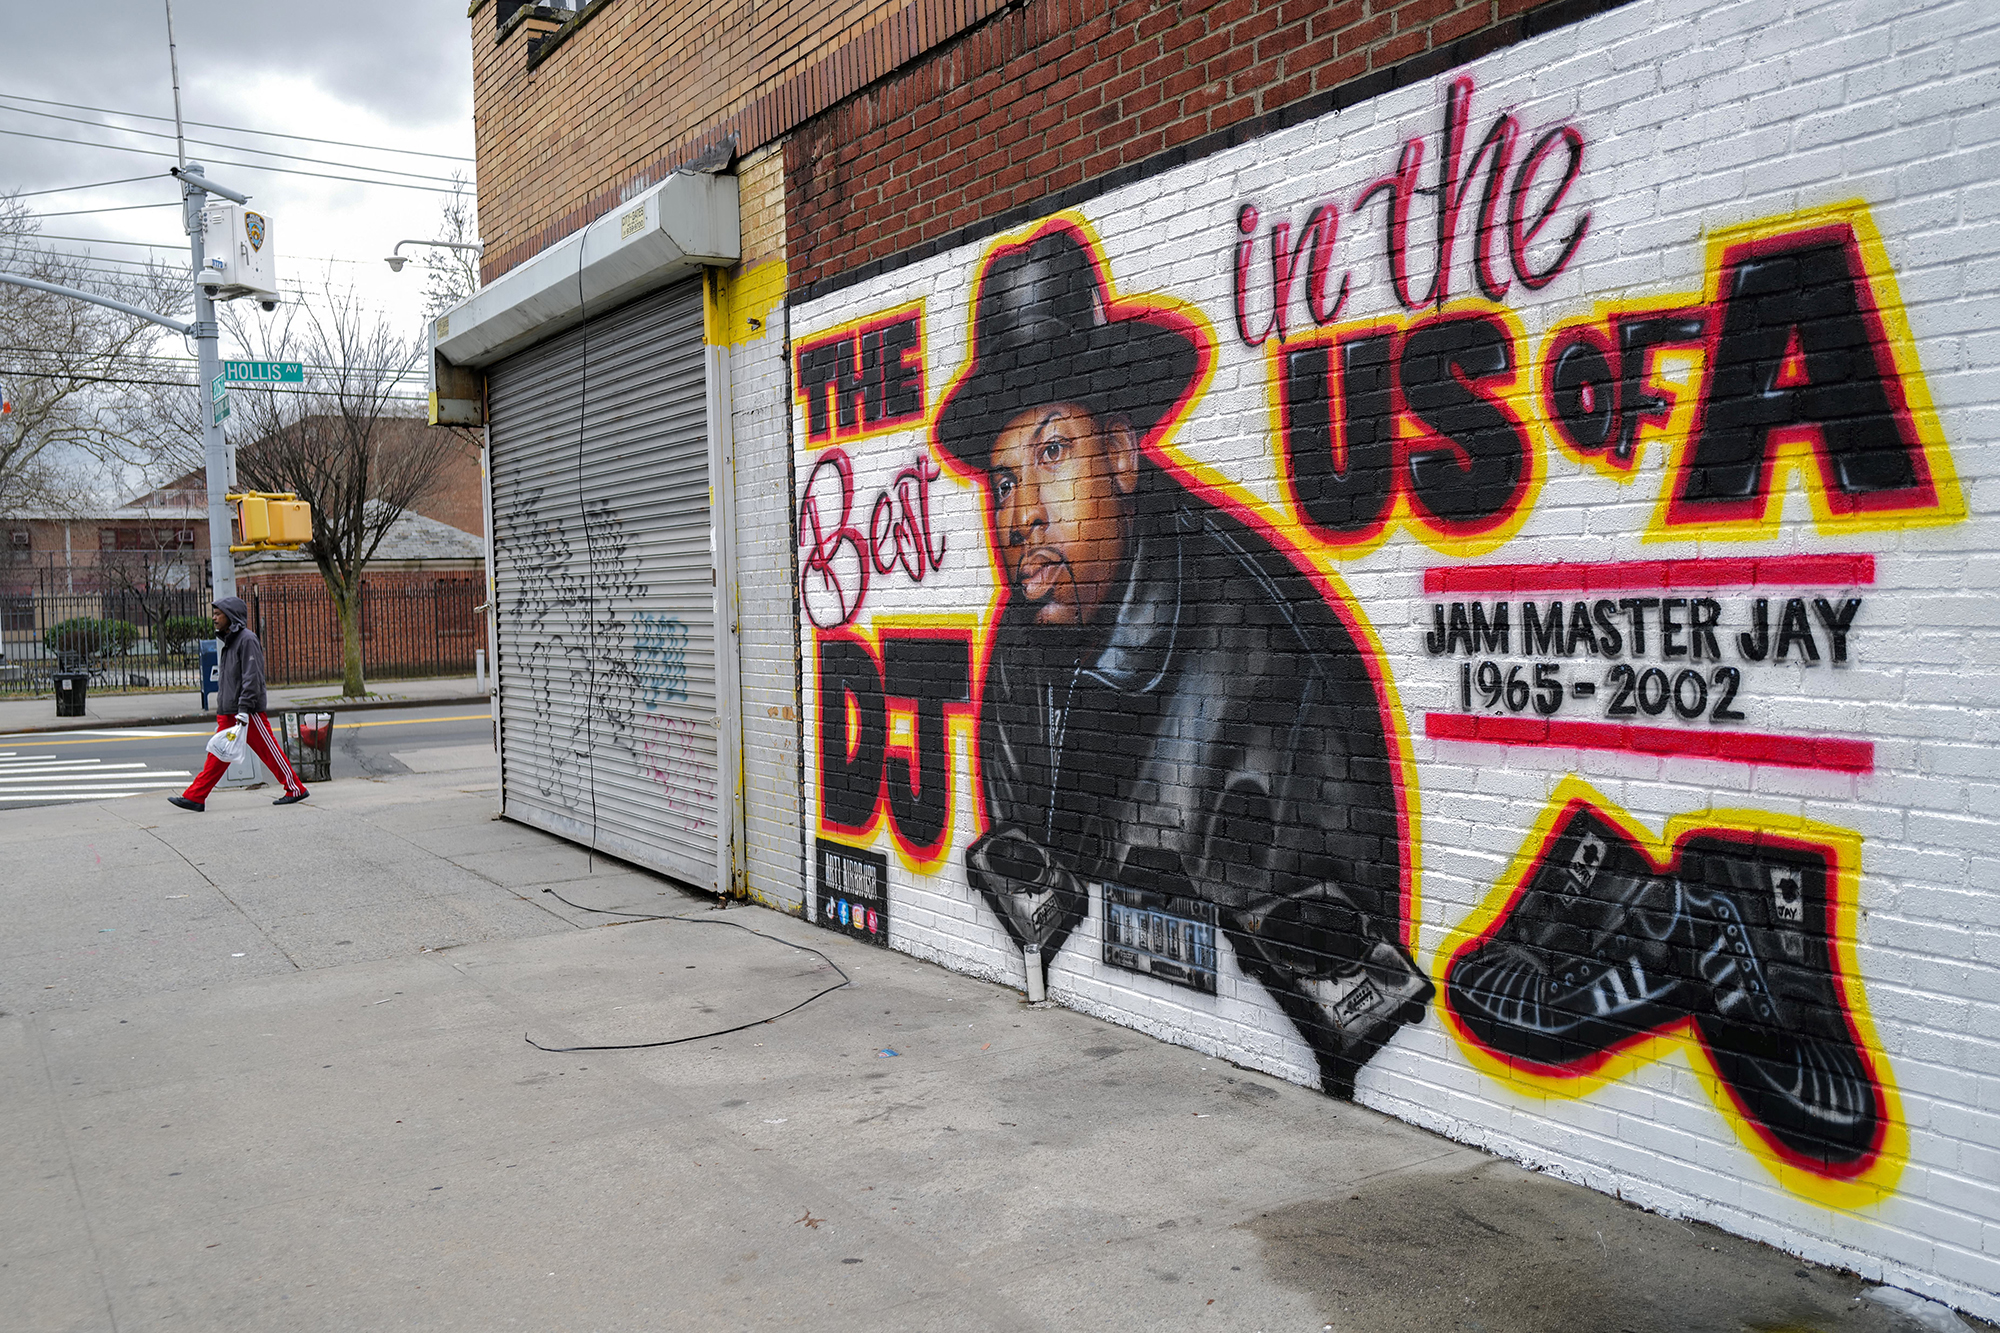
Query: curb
[180, 719]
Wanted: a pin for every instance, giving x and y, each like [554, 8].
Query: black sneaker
[1594, 953]
[185, 804]
[1773, 1018]
[292, 798]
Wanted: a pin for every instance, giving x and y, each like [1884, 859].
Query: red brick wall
[414, 623]
[1065, 95]
[618, 96]
[458, 497]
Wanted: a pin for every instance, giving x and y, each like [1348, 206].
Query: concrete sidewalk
[265, 1069]
[19, 716]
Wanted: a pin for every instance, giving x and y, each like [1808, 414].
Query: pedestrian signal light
[272, 521]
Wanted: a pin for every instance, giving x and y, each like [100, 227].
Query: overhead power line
[122, 208]
[236, 129]
[71, 189]
[99, 240]
[190, 384]
[251, 166]
[177, 249]
[238, 147]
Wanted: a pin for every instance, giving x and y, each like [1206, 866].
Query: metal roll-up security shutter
[604, 586]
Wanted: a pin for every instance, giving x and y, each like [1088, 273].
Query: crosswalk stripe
[49, 778]
[80, 796]
[126, 788]
[102, 780]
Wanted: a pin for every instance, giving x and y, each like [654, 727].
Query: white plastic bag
[230, 746]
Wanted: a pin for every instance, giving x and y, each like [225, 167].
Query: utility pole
[195, 189]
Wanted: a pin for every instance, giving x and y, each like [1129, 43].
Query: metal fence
[127, 640]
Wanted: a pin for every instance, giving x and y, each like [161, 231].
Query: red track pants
[263, 741]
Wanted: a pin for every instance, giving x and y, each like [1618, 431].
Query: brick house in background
[1534, 451]
[161, 534]
[149, 557]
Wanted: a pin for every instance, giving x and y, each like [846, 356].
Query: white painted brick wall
[767, 602]
[1698, 117]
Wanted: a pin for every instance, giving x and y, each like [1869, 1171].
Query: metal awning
[686, 222]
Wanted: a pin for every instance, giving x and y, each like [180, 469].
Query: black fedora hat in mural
[1043, 332]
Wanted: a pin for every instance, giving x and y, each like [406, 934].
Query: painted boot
[1772, 1016]
[1337, 974]
[1594, 952]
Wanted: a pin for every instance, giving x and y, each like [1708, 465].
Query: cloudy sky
[394, 77]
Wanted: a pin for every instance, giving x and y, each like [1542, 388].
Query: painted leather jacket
[1220, 738]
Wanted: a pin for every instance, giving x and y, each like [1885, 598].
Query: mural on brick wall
[1180, 573]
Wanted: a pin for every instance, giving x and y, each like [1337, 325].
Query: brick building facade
[1429, 549]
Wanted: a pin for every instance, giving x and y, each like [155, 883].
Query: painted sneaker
[1592, 954]
[185, 804]
[1773, 1017]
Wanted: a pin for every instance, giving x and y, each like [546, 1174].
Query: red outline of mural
[1838, 571]
[1820, 753]
[854, 328]
[1864, 1182]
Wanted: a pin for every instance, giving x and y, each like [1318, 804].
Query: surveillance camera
[210, 290]
[269, 306]
[396, 262]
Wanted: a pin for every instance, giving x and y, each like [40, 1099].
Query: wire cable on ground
[844, 982]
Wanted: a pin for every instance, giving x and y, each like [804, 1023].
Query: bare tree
[452, 275]
[78, 372]
[339, 442]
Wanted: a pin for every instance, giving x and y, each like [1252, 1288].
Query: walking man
[240, 696]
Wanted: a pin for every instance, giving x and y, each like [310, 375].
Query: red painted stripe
[1838, 571]
[1741, 747]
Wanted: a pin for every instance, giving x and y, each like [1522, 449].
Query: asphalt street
[61, 768]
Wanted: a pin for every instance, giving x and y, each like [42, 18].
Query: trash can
[72, 688]
[308, 739]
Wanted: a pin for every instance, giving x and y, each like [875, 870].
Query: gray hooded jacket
[240, 684]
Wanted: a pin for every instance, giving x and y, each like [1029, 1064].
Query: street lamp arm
[477, 247]
[186, 330]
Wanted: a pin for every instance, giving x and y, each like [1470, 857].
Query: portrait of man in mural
[1172, 710]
